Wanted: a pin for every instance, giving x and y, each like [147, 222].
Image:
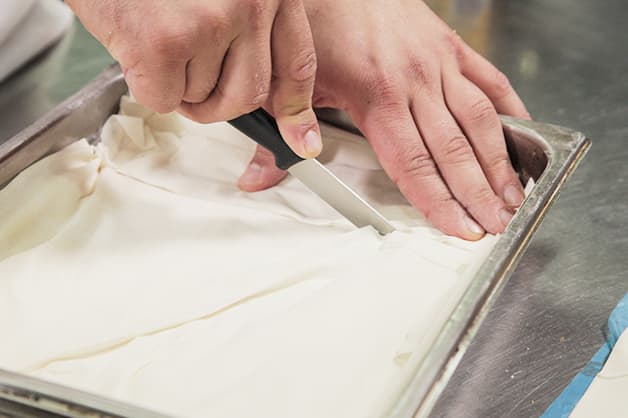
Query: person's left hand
[426, 102]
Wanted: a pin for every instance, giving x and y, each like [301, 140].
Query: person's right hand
[214, 60]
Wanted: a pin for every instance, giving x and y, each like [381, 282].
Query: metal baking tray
[546, 153]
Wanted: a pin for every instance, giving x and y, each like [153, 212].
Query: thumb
[261, 173]
[294, 70]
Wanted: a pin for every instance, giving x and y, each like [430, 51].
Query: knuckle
[257, 10]
[172, 42]
[439, 207]
[387, 114]
[456, 148]
[419, 71]
[501, 84]
[380, 87]
[480, 199]
[303, 67]
[482, 110]
[454, 45]
[256, 7]
[213, 22]
[499, 163]
[298, 112]
[416, 164]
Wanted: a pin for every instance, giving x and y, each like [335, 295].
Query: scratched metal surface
[569, 60]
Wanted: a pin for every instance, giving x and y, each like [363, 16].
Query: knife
[262, 128]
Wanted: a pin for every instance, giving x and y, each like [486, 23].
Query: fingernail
[473, 226]
[513, 196]
[313, 143]
[505, 216]
[252, 175]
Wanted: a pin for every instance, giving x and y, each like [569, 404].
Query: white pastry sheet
[137, 270]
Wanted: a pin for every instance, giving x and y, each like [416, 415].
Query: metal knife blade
[262, 128]
[339, 196]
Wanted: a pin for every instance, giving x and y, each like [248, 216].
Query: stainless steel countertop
[569, 61]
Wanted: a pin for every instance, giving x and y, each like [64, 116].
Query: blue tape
[618, 322]
[566, 402]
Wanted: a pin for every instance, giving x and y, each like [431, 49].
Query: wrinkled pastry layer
[137, 270]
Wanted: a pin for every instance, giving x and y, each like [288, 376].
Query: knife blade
[262, 128]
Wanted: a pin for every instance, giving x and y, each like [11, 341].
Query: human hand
[215, 60]
[426, 102]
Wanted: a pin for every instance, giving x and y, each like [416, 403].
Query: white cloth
[13, 11]
[606, 397]
[27, 27]
[138, 270]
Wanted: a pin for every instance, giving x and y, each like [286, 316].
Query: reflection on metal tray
[546, 153]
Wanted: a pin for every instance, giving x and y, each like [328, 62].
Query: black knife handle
[262, 128]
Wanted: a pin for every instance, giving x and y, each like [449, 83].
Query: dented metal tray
[546, 153]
